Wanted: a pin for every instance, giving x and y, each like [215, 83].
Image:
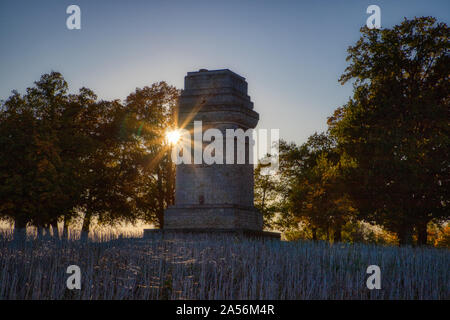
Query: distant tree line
[385, 156]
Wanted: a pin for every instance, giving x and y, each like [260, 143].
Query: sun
[173, 136]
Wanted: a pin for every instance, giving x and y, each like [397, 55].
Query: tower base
[244, 233]
[223, 216]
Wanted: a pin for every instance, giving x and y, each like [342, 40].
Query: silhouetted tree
[40, 153]
[63, 153]
[153, 112]
[317, 194]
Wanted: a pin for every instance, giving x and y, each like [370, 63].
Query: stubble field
[216, 267]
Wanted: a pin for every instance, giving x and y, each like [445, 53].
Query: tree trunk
[160, 217]
[405, 236]
[314, 234]
[65, 234]
[422, 233]
[39, 231]
[86, 225]
[337, 236]
[55, 230]
[20, 229]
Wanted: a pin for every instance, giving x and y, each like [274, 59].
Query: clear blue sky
[291, 52]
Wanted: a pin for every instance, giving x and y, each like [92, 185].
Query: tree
[17, 166]
[395, 126]
[110, 169]
[41, 150]
[66, 153]
[152, 110]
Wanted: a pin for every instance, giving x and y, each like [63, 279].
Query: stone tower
[216, 197]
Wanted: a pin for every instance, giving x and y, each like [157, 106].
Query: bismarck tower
[216, 197]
